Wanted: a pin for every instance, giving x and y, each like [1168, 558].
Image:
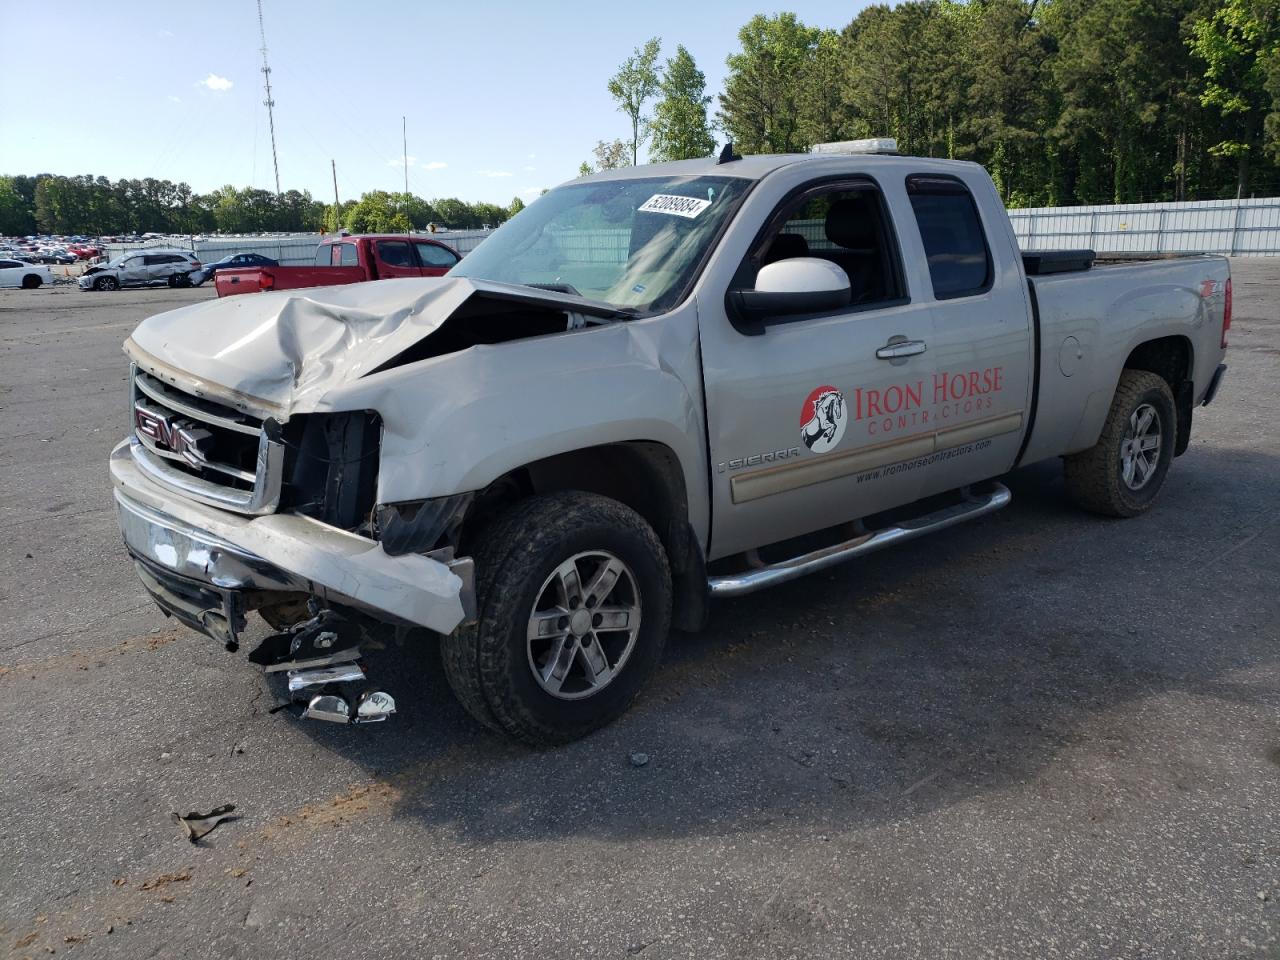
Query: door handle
[897, 349]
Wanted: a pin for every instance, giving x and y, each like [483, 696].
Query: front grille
[203, 449]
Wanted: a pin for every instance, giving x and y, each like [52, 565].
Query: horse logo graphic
[822, 419]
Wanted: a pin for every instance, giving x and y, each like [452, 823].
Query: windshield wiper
[568, 288]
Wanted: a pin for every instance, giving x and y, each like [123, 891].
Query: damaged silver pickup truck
[654, 387]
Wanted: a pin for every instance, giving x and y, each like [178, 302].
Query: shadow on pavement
[916, 679]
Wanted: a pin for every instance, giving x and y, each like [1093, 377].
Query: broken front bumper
[207, 566]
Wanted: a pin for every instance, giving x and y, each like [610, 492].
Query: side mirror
[787, 287]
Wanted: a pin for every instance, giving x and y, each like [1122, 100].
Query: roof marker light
[873, 145]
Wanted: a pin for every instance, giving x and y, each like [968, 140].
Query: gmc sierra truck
[655, 387]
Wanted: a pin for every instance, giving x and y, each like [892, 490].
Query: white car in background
[16, 273]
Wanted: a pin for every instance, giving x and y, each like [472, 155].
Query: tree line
[96, 206]
[1063, 101]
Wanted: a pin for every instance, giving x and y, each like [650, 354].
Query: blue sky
[501, 98]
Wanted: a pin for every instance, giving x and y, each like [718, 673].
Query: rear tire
[533, 665]
[1122, 474]
[31, 281]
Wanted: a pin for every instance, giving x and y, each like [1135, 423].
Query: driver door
[134, 270]
[811, 416]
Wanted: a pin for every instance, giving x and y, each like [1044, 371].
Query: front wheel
[574, 604]
[31, 281]
[106, 283]
[1121, 475]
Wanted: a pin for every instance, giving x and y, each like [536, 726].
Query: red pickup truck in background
[346, 260]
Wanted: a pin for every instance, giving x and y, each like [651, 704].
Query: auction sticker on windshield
[677, 206]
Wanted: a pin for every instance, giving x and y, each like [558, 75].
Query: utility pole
[404, 132]
[269, 103]
[334, 165]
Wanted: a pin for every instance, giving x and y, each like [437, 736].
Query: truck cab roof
[758, 166]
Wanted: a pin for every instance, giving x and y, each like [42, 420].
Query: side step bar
[749, 581]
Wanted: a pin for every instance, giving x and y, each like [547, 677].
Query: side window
[395, 253]
[847, 224]
[150, 261]
[9, 264]
[433, 255]
[324, 255]
[347, 256]
[954, 241]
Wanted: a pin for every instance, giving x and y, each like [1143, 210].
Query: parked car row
[50, 250]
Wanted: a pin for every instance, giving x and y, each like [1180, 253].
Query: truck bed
[1089, 321]
[255, 279]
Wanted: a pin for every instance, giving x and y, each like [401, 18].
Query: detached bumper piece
[320, 659]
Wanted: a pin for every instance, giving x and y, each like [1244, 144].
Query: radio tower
[268, 103]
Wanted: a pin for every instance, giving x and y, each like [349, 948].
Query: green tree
[455, 214]
[514, 207]
[760, 105]
[633, 86]
[679, 126]
[1240, 47]
[612, 155]
[377, 212]
[1007, 122]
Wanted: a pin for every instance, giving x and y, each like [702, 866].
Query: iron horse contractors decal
[823, 418]
[928, 404]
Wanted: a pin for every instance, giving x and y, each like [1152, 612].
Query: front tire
[106, 283]
[1122, 474]
[574, 603]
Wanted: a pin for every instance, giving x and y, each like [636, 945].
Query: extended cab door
[982, 340]
[810, 416]
[395, 259]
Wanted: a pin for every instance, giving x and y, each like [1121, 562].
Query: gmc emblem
[178, 436]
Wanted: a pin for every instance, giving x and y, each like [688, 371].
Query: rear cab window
[955, 243]
[434, 255]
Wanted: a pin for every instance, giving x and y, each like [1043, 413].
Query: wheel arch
[644, 475]
[1171, 358]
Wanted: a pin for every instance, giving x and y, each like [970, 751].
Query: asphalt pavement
[1042, 734]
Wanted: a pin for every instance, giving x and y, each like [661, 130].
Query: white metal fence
[1249, 228]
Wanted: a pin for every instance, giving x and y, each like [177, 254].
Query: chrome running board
[749, 581]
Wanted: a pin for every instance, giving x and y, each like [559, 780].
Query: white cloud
[400, 161]
[215, 82]
[433, 165]
[494, 173]
[172, 99]
[530, 169]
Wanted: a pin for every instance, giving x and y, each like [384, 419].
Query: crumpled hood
[273, 351]
[273, 354]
